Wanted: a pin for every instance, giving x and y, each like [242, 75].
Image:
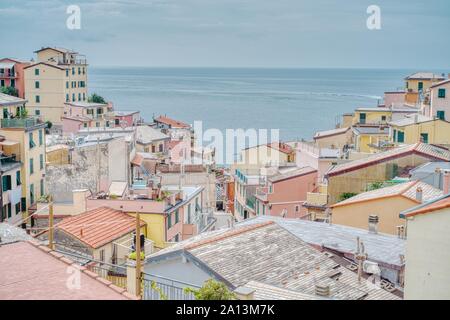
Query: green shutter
[18, 181]
[31, 166]
[441, 93]
[400, 136]
[441, 115]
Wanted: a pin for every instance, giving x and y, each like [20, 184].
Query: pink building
[285, 193]
[79, 115]
[394, 98]
[127, 118]
[11, 75]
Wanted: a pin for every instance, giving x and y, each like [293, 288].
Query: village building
[440, 100]
[127, 118]
[382, 206]
[152, 140]
[434, 173]
[31, 271]
[270, 154]
[273, 257]
[58, 76]
[427, 254]
[80, 115]
[355, 176]
[384, 250]
[12, 75]
[420, 128]
[417, 86]
[333, 139]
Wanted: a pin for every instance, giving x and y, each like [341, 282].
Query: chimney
[373, 223]
[419, 194]
[322, 290]
[446, 182]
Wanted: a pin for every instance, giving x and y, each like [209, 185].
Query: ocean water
[299, 102]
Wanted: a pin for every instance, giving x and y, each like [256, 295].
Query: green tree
[346, 195]
[10, 91]
[95, 98]
[375, 185]
[212, 290]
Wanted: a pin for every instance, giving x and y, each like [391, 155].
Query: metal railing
[20, 123]
[161, 288]
[117, 275]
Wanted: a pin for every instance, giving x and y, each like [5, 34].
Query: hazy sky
[243, 33]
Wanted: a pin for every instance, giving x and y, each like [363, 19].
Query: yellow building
[26, 141]
[58, 76]
[58, 155]
[427, 256]
[385, 203]
[370, 139]
[421, 81]
[372, 116]
[419, 128]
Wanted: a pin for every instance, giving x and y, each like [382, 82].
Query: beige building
[427, 273]
[58, 76]
[384, 203]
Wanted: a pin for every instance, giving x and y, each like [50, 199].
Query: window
[5, 113]
[383, 118]
[6, 183]
[153, 149]
[41, 137]
[97, 124]
[31, 193]
[41, 162]
[31, 166]
[73, 70]
[424, 137]
[23, 203]
[9, 210]
[420, 86]
[84, 96]
[177, 237]
[67, 84]
[177, 217]
[400, 136]
[362, 118]
[13, 83]
[67, 97]
[2, 83]
[99, 110]
[85, 124]
[296, 208]
[36, 72]
[42, 187]
[37, 112]
[161, 148]
[73, 97]
[84, 70]
[90, 111]
[169, 221]
[107, 123]
[18, 181]
[102, 255]
[395, 135]
[67, 72]
[79, 96]
[79, 70]
[38, 99]
[441, 115]
[441, 93]
[189, 214]
[31, 142]
[36, 84]
[17, 205]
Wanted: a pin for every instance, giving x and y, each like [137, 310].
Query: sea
[298, 102]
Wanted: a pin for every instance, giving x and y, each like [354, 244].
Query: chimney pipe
[373, 223]
[446, 182]
[419, 194]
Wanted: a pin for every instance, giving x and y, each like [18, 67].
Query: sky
[234, 33]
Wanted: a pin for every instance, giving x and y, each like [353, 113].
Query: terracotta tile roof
[99, 226]
[137, 160]
[430, 207]
[423, 149]
[31, 271]
[407, 189]
[173, 143]
[171, 122]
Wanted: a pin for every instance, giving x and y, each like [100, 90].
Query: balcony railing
[8, 74]
[160, 288]
[20, 123]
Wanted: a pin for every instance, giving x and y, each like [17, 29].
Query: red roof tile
[99, 226]
[171, 122]
[31, 271]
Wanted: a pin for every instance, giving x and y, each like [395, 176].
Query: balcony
[261, 193]
[21, 122]
[8, 74]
